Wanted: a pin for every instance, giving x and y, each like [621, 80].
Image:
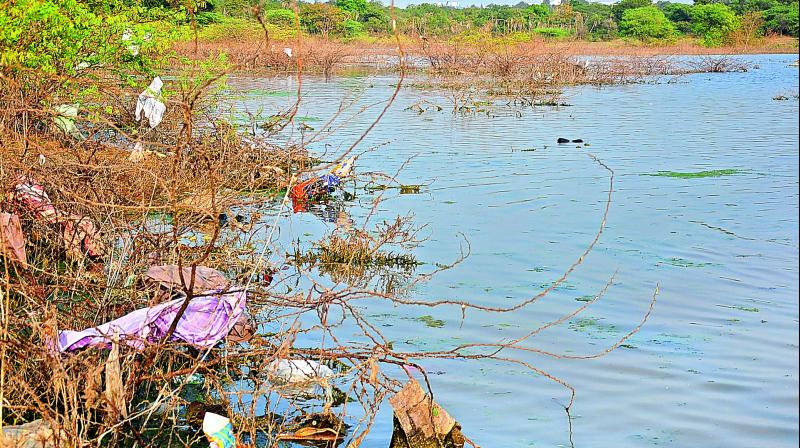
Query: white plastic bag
[65, 120]
[149, 103]
[298, 370]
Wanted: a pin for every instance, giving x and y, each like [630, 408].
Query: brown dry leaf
[311, 433]
[115, 392]
[12, 240]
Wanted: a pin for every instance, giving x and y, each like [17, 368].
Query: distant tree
[713, 22]
[618, 9]
[280, 17]
[597, 17]
[647, 23]
[680, 14]
[321, 18]
[782, 19]
[356, 8]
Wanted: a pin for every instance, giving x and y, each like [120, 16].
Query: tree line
[712, 21]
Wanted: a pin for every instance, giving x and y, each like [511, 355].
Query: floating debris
[695, 175]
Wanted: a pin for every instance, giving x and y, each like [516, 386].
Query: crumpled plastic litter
[344, 168]
[169, 276]
[206, 321]
[287, 51]
[79, 234]
[218, 431]
[298, 370]
[149, 105]
[65, 120]
[12, 240]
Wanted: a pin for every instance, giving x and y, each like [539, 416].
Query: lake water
[715, 365]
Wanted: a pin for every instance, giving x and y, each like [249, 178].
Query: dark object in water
[409, 189]
[562, 140]
[578, 140]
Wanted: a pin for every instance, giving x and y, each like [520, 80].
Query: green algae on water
[429, 321]
[695, 175]
[683, 263]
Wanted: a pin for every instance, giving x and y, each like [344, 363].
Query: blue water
[715, 365]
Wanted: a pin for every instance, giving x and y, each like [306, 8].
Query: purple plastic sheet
[206, 321]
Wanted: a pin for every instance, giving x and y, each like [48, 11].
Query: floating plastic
[343, 169]
[298, 370]
[127, 39]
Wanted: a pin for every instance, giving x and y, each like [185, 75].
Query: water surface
[717, 362]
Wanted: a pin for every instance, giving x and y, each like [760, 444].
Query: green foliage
[680, 14]
[647, 24]
[355, 8]
[598, 17]
[537, 11]
[58, 37]
[321, 18]
[618, 9]
[555, 33]
[782, 19]
[351, 28]
[281, 17]
[713, 22]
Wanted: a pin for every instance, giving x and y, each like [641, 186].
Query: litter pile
[317, 187]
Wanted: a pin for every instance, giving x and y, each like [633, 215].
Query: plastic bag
[149, 104]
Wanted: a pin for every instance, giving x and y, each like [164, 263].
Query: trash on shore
[420, 422]
[65, 120]
[206, 321]
[79, 234]
[218, 431]
[169, 277]
[149, 105]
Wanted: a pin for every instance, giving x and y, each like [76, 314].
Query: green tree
[618, 9]
[598, 19]
[58, 36]
[782, 19]
[647, 24]
[321, 18]
[351, 28]
[281, 17]
[356, 8]
[713, 22]
[680, 14]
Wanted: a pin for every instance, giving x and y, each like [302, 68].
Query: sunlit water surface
[715, 365]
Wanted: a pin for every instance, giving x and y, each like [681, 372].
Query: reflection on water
[716, 226]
